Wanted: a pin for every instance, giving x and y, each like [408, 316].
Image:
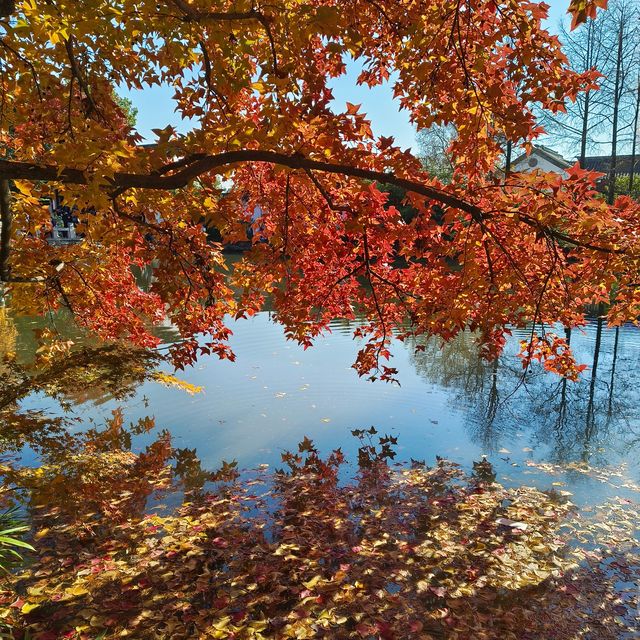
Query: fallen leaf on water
[505, 522]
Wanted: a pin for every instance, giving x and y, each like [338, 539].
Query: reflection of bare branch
[551, 410]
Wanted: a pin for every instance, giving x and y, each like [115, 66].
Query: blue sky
[156, 107]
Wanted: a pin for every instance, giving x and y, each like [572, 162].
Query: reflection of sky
[276, 393]
[156, 106]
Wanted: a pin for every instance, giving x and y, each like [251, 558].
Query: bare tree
[621, 27]
[586, 119]
[634, 137]
[434, 146]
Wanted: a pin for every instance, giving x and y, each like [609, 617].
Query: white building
[541, 158]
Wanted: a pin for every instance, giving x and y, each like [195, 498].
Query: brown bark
[635, 139]
[616, 108]
[6, 223]
[195, 165]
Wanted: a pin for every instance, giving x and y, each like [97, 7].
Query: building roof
[603, 164]
[549, 154]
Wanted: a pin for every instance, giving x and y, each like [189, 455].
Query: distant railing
[64, 234]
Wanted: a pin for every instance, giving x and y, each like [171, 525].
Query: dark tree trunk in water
[590, 421]
[613, 369]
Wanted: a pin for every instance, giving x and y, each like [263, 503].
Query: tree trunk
[616, 107]
[587, 97]
[635, 139]
[585, 129]
[6, 223]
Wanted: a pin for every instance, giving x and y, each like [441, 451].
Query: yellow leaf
[222, 623]
[28, 607]
[41, 534]
[309, 584]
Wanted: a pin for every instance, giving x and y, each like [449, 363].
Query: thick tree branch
[197, 165]
[10, 170]
[208, 78]
[182, 172]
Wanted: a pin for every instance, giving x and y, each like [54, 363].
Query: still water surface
[449, 404]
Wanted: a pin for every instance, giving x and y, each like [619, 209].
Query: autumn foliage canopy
[485, 252]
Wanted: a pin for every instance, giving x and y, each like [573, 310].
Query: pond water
[449, 403]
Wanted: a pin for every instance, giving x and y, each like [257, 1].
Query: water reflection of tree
[92, 374]
[109, 371]
[8, 335]
[577, 421]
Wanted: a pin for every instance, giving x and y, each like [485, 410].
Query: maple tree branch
[63, 294]
[402, 295]
[392, 25]
[79, 76]
[198, 164]
[179, 164]
[70, 108]
[558, 235]
[381, 320]
[208, 73]
[506, 253]
[26, 62]
[339, 281]
[264, 21]
[183, 171]
[285, 242]
[10, 170]
[6, 229]
[141, 220]
[492, 277]
[327, 197]
[190, 14]
[7, 8]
